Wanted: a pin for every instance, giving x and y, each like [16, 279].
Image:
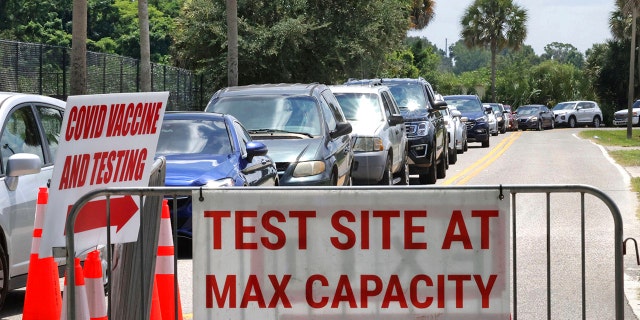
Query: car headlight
[226, 182]
[365, 144]
[533, 119]
[423, 128]
[481, 119]
[308, 168]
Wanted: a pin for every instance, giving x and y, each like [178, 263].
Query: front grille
[621, 117]
[410, 128]
[470, 124]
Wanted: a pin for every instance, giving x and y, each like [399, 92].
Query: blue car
[204, 149]
[477, 114]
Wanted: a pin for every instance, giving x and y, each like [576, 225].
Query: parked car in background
[204, 149]
[502, 116]
[572, 113]
[620, 117]
[31, 126]
[303, 126]
[493, 120]
[380, 146]
[512, 119]
[535, 116]
[477, 116]
[456, 131]
[424, 125]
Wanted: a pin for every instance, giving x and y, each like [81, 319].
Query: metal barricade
[516, 192]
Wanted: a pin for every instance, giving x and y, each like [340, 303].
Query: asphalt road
[534, 158]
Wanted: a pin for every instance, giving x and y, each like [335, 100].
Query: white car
[29, 139]
[380, 143]
[620, 116]
[456, 132]
[572, 113]
[493, 120]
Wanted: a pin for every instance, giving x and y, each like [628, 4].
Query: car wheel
[404, 174]
[441, 169]
[596, 122]
[387, 175]
[4, 272]
[572, 122]
[485, 144]
[430, 176]
[466, 146]
[539, 128]
[553, 124]
[453, 156]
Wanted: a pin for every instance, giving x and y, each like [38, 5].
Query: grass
[613, 137]
[627, 158]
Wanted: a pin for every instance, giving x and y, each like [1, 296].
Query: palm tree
[232, 43]
[145, 46]
[496, 24]
[422, 11]
[618, 28]
[78, 72]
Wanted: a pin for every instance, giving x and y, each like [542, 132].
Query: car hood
[294, 150]
[624, 111]
[414, 115]
[366, 128]
[561, 112]
[473, 115]
[196, 170]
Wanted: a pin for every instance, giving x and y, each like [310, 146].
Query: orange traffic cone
[156, 313]
[42, 297]
[81, 302]
[94, 287]
[165, 274]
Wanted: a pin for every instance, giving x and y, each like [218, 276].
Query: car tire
[572, 122]
[485, 144]
[4, 271]
[387, 175]
[553, 124]
[441, 168]
[430, 177]
[453, 156]
[404, 174]
[539, 128]
[596, 122]
[466, 146]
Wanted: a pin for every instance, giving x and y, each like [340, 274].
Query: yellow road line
[477, 167]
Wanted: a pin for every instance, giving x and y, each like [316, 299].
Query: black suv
[303, 126]
[424, 124]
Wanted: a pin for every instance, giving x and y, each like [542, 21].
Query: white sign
[106, 141]
[381, 253]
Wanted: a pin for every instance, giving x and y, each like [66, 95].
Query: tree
[232, 35]
[630, 7]
[422, 11]
[145, 47]
[563, 53]
[496, 24]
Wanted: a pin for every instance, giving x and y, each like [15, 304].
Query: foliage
[563, 53]
[469, 59]
[557, 82]
[295, 41]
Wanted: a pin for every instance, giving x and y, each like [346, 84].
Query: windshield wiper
[257, 131]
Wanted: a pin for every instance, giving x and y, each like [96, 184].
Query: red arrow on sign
[93, 215]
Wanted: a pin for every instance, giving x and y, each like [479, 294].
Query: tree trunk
[494, 51]
[78, 72]
[145, 47]
[632, 60]
[232, 37]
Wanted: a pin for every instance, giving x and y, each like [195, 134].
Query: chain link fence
[44, 69]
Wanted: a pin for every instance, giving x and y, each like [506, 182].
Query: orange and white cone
[94, 286]
[165, 273]
[81, 302]
[42, 297]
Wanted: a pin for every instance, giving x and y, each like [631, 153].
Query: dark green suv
[426, 131]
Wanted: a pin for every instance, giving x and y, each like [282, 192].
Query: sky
[581, 23]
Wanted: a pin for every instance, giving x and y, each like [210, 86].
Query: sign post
[106, 141]
[380, 253]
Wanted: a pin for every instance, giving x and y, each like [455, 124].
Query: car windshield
[464, 105]
[298, 114]
[527, 110]
[193, 137]
[360, 106]
[564, 106]
[409, 96]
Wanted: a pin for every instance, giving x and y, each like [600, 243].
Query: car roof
[359, 88]
[173, 115]
[271, 89]
[18, 97]
[383, 80]
[462, 96]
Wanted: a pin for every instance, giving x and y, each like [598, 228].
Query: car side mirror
[21, 164]
[256, 148]
[456, 113]
[464, 119]
[440, 104]
[488, 109]
[395, 119]
[342, 128]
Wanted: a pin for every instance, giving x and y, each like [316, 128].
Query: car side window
[51, 120]
[329, 116]
[388, 107]
[334, 106]
[20, 134]
[243, 137]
